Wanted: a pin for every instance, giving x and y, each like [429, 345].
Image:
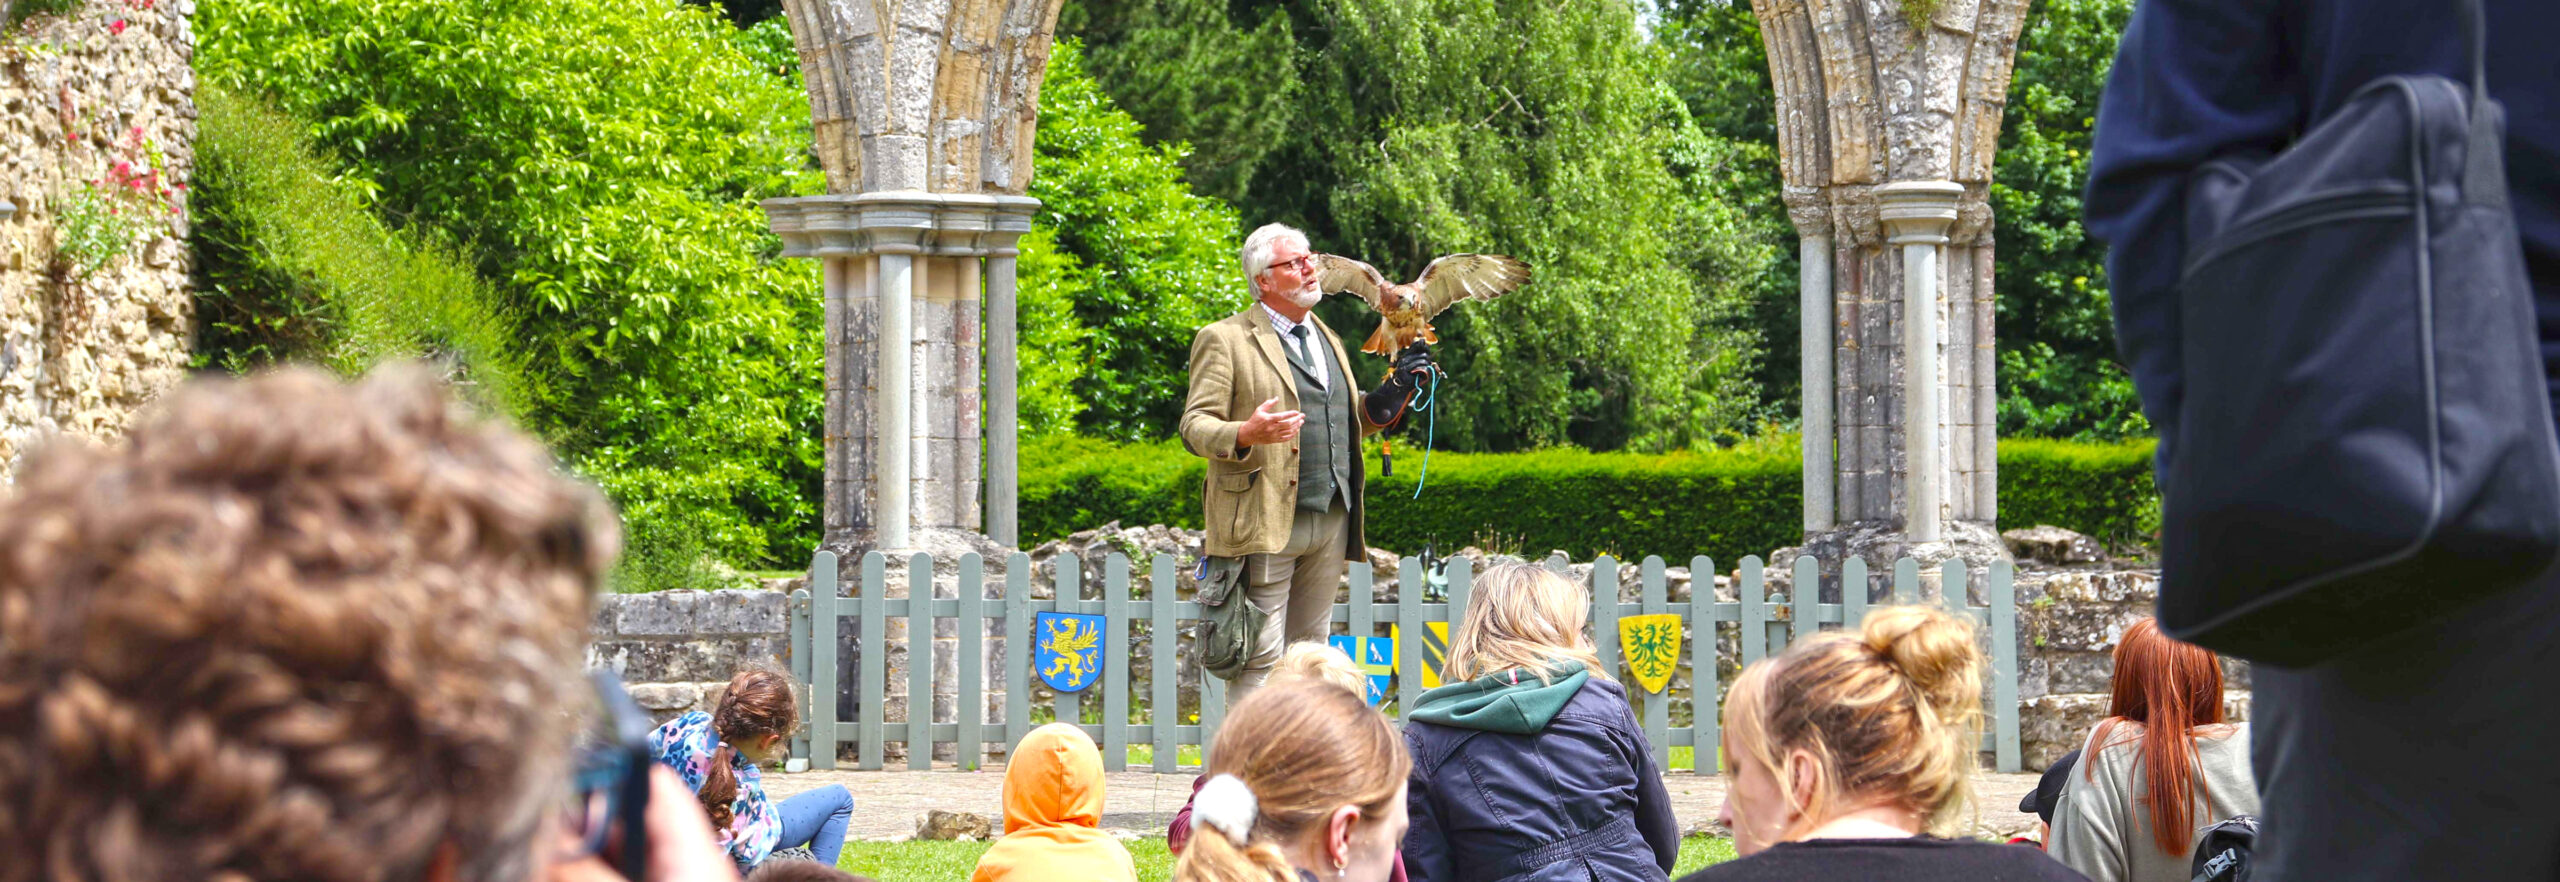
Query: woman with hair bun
[2160, 767]
[1851, 755]
[1305, 782]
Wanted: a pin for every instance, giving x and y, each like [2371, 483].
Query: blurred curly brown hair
[290, 628]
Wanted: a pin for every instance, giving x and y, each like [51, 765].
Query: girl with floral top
[721, 754]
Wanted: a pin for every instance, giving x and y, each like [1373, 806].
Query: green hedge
[2103, 490]
[1725, 503]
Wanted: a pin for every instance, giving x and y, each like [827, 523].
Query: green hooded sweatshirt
[1512, 702]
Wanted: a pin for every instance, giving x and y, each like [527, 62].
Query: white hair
[1257, 250]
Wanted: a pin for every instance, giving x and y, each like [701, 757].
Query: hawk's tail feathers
[1380, 342]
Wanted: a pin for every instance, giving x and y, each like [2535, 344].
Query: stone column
[1814, 299]
[1916, 215]
[895, 438]
[904, 421]
[1880, 112]
[1003, 426]
[923, 116]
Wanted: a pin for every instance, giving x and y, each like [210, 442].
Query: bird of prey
[1405, 311]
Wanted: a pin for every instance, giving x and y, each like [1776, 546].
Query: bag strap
[2484, 163]
[2475, 44]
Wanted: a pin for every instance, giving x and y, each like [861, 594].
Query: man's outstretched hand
[1268, 425]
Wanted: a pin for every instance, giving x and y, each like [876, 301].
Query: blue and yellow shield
[1652, 645]
[1376, 657]
[1066, 650]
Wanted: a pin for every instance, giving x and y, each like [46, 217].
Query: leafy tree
[1418, 127]
[2059, 375]
[1137, 259]
[1720, 67]
[1224, 88]
[602, 165]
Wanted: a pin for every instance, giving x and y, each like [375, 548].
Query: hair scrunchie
[1226, 804]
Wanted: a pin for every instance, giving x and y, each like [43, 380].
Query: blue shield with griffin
[1066, 650]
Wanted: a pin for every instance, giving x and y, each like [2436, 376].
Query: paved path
[886, 804]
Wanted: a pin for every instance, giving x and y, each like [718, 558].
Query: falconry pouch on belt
[1405, 311]
[1230, 625]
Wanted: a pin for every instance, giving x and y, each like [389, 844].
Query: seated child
[1053, 814]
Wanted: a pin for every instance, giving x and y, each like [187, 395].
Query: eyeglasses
[1303, 263]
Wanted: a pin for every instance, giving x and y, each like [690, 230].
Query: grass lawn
[951, 861]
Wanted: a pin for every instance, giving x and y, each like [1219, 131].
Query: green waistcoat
[1324, 443]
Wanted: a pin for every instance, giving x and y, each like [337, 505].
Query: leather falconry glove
[1385, 405]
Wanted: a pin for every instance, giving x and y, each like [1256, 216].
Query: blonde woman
[1850, 756]
[1529, 764]
[1312, 662]
[1305, 782]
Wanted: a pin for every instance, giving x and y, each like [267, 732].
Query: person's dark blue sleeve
[1425, 854]
[2194, 80]
[1654, 819]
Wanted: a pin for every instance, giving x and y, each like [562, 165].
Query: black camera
[610, 793]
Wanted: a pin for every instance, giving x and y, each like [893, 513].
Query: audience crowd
[294, 628]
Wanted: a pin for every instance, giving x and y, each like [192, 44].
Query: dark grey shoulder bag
[2366, 438]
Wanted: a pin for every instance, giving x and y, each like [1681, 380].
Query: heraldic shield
[1376, 657]
[1066, 650]
[1652, 645]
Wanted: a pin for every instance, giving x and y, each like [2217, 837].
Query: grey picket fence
[1765, 624]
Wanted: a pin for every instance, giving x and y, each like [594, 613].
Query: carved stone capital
[1973, 216]
[1918, 212]
[900, 222]
[1853, 216]
[1809, 210]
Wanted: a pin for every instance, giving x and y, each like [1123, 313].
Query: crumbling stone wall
[80, 93]
[676, 650]
[2070, 620]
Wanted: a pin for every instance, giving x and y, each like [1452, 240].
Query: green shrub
[1724, 503]
[2103, 490]
[599, 166]
[291, 265]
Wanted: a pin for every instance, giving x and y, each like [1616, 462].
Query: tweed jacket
[1250, 493]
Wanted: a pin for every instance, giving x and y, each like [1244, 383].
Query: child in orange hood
[1053, 813]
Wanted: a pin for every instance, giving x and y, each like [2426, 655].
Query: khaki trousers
[1296, 587]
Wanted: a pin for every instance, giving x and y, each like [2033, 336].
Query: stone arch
[1870, 99]
[930, 95]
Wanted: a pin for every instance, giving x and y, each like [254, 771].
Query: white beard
[1307, 298]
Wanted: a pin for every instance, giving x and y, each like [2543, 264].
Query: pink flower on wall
[116, 27]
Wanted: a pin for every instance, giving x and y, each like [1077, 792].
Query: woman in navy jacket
[1529, 765]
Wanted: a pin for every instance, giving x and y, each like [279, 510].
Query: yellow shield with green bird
[1652, 647]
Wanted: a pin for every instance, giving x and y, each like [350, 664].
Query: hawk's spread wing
[1468, 276]
[1336, 273]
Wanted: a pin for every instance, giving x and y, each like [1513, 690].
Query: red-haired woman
[2160, 767]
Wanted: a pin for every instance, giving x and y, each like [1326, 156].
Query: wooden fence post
[823, 585]
[870, 716]
[1116, 661]
[970, 705]
[1166, 711]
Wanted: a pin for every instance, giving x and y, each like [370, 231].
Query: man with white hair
[1271, 408]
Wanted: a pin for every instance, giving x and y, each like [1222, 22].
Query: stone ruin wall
[2070, 620]
[79, 356]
